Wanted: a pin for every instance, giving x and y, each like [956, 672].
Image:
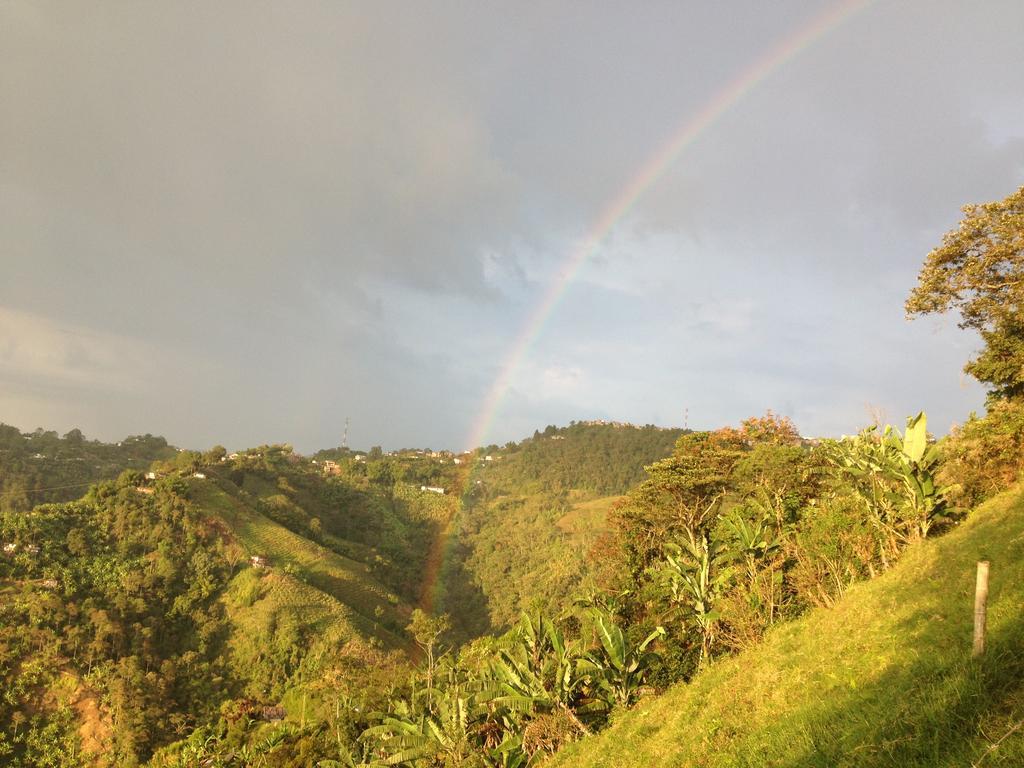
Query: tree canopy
[979, 271]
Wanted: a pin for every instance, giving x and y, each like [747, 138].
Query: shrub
[246, 588]
[985, 455]
[834, 546]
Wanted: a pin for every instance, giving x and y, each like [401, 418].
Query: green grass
[355, 593]
[884, 678]
[588, 516]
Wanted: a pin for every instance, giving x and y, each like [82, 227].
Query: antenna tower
[344, 436]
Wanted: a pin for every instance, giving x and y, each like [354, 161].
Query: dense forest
[499, 607]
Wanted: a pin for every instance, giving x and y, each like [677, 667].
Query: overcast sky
[240, 223]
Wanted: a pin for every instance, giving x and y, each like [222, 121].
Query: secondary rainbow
[655, 167]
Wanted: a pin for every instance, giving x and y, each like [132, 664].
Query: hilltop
[39, 467]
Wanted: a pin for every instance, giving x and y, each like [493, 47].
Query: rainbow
[655, 167]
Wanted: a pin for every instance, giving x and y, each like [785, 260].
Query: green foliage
[895, 476]
[696, 576]
[183, 652]
[740, 528]
[985, 455]
[979, 272]
[618, 666]
[246, 588]
[40, 467]
[514, 549]
[130, 616]
[533, 691]
[532, 515]
[835, 546]
[603, 459]
[882, 678]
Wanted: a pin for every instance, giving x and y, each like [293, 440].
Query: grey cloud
[267, 217]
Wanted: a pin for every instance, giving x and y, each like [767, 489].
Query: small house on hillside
[10, 548]
[151, 475]
[331, 468]
[431, 489]
[259, 561]
[199, 475]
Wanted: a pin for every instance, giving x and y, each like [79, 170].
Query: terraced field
[306, 572]
[319, 613]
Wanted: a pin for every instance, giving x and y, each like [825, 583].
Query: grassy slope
[587, 517]
[883, 679]
[334, 589]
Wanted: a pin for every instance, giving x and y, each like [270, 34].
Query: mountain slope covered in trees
[245, 581]
[532, 513]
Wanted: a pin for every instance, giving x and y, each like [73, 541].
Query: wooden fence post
[980, 608]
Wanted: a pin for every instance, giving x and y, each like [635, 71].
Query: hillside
[316, 571]
[600, 458]
[884, 678]
[145, 589]
[532, 513]
[156, 638]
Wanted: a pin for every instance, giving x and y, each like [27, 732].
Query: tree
[215, 454]
[382, 474]
[979, 271]
[681, 496]
[427, 631]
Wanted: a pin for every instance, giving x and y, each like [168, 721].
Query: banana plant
[442, 736]
[534, 671]
[895, 475]
[615, 666]
[917, 463]
[510, 753]
[697, 575]
[753, 541]
[537, 662]
[756, 543]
